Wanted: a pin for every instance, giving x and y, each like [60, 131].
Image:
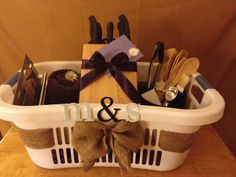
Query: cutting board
[105, 85]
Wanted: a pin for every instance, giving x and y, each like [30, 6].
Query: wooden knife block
[104, 85]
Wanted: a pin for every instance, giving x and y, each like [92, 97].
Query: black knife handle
[123, 26]
[93, 30]
[99, 34]
[110, 29]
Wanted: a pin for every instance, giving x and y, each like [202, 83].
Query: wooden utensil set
[176, 71]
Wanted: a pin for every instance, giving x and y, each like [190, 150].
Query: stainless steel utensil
[158, 54]
[170, 95]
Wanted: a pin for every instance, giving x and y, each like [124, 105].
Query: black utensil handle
[158, 52]
[160, 56]
[120, 29]
[93, 30]
[161, 49]
[123, 26]
[110, 29]
[99, 34]
[126, 26]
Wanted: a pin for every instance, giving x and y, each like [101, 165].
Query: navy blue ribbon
[118, 63]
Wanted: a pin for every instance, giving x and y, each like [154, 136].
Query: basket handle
[203, 82]
[7, 95]
[12, 80]
[15, 113]
[200, 90]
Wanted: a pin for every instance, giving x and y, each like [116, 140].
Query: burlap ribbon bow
[94, 140]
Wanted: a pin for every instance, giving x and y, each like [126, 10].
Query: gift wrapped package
[105, 85]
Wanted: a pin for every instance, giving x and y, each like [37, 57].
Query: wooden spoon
[178, 58]
[169, 55]
[188, 67]
[178, 66]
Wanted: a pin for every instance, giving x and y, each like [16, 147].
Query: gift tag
[121, 44]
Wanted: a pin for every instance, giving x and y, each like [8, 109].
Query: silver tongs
[158, 55]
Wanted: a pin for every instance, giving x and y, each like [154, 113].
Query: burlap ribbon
[36, 138]
[94, 140]
[176, 142]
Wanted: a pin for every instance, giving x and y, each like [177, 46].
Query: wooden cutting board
[105, 85]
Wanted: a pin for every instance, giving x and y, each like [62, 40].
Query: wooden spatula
[169, 55]
[188, 67]
[178, 66]
[178, 58]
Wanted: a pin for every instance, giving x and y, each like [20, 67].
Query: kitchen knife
[95, 31]
[110, 29]
[123, 26]
[99, 33]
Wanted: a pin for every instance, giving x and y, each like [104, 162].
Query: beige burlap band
[36, 138]
[176, 142]
[94, 140]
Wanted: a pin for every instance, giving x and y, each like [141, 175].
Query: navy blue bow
[119, 62]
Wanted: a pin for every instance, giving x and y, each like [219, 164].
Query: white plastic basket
[153, 120]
